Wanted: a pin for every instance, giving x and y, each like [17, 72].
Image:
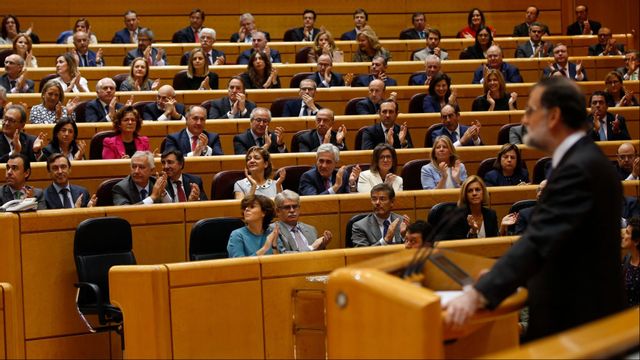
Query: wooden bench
[10, 325]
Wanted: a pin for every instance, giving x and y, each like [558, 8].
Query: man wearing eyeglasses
[606, 44]
[13, 140]
[260, 135]
[628, 162]
[460, 135]
[305, 105]
[632, 65]
[535, 47]
[294, 235]
[14, 79]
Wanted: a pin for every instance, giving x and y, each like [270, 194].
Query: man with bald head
[259, 42]
[194, 140]
[104, 107]
[606, 44]
[166, 106]
[431, 68]
[323, 133]
[628, 162]
[510, 73]
[14, 79]
[86, 57]
[583, 26]
[371, 104]
[324, 77]
[573, 71]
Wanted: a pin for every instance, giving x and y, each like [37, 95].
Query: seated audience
[166, 106]
[258, 134]
[22, 46]
[190, 33]
[535, 47]
[530, 17]
[631, 262]
[378, 70]
[323, 133]
[294, 235]
[127, 141]
[324, 44]
[440, 94]
[583, 26]
[305, 105]
[419, 29]
[417, 233]
[14, 79]
[431, 68]
[207, 39]
[14, 139]
[433, 47]
[130, 32]
[258, 179]
[84, 56]
[387, 130]
[371, 104]
[324, 77]
[369, 47]
[235, 105]
[259, 44]
[615, 93]
[508, 169]
[61, 194]
[139, 187]
[628, 162]
[324, 178]
[253, 239]
[247, 30]
[475, 22]
[10, 28]
[82, 24]
[52, 109]
[307, 32]
[69, 75]
[605, 125]
[562, 64]
[198, 76]
[445, 171]
[18, 170]
[104, 107]
[382, 226]
[260, 73]
[65, 141]
[460, 135]
[194, 140]
[495, 94]
[182, 187]
[524, 216]
[138, 79]
[484, 39]
[606, 44]
[632, 65]
[384, 162]
[360, 18]
[510, 73]
[153, 56]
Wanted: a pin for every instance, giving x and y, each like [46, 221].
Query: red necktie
[194, 142]
[196, 35]
[182, 197]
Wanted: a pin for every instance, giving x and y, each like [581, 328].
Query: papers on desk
[446, 296]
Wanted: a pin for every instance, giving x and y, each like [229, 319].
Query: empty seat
[209, 238]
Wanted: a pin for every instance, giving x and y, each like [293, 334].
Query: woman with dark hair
[22, 46]
[52, 109]
[384, 162]
[324, 44]
[369, 47]
[475, 21]
[484, 40]
[445, 171]
[10, 28]
[69, 74]
[495, 94]
[127, 140]
[82, 24]
[631, 262]
[198, 76]
[440, 94]
[252, 239]
[65, 134]
[615, 93]
[138, 79]
[508, 168]
[260, 73]
[257, 175]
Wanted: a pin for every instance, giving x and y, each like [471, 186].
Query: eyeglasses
[289, 207]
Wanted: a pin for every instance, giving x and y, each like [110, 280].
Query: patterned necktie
[12, 84]
[182, 197]
[260, 141]
[66, 203]
[300, 243]
[385, 227]
[18, 195]
[327, 183]
[143, 194]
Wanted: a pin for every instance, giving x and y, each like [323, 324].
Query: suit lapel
[53, 197]
[185, 141]
[375, 228]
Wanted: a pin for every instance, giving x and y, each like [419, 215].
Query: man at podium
[569, 256]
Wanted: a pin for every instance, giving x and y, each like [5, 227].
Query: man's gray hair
[145, 154]
[102, 82]
[253, 112]
[209, 31]
[432, 57]
[147, 32]
[3, 93]
[247, 16]
[329, 148]
[286, 195]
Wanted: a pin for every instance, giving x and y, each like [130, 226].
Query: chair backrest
[350, 108]
[297, 79]
[522, 204]
[359, 135]
[363, 167]
[302, 56]
[81, 111]
[486, 165]
[288, 35]
[104, 194]
[295, 140]
[415, 74]
[437, 212]
[99, 244]
[503, 133]
[45, 79]
[119, 79]
[428, 142]
[294, 172]
[411, 174]
[3, 55]
[95, 147]
[541, 169]
[415, 104]
[209, 238]
[207, 105]
[222, 184]
[277, 106]
[139, 106]
[180, 80]
[348, 243]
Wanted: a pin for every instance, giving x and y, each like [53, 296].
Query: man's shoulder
[124, 183]
[178, 134]
[192, 178]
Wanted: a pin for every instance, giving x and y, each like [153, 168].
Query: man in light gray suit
[382, 227]
[296, 236]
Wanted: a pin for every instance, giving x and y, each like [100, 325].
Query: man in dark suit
[305, 33]
[382, 226]
[259, 135]
[13, 140]
[194, 140]
[305, 105]
[130, 32]
[259, 42]
[311, 140]
[378, 71]
[386, 130]
[207, 37]
[568, 260]
[154, 56]
[568, 69]
[605, 126]
[166, 106]
[140, 188]
[628, 162]
[583, 26]
[14, 79]
[606, 44]
[535, 47]
[234, 106]
[60, 194]
[86, 57]
[460, 135]
[419, 22]
[432, 66]
[190, 34]
[101, 109]
[247, 29]
[531, 16]
[510, 73]
[18, 170]
[294, 235]
[324, 77]
[371, 104]
[360, 18]
[181, 186]
[324, 179]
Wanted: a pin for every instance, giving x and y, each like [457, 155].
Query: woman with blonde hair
[138, 79]
[324, 44]
[495, 94]
[22, 46]
[198, 76]
[369, 47]
[615, 93]
[445, 171]
[52, 109]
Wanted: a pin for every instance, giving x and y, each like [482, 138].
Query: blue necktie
[66, 203]
[603, 135]
[143, 194]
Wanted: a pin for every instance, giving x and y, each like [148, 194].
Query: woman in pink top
[127, 124]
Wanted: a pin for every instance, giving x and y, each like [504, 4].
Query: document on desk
[446, 296]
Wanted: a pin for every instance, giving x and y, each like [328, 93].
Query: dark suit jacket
[26, 141]
[366, 107]
[349, 35]
[522, 30]
[91, 60]
[597, 49]
[236, 36]
[366, 232]
[52, 198]
[221, 107]
[364, 80]
[152, 112]
[374, 135]
[125, 191]
[510, 73]
[441, 131]
[311, 183]
[243, 58]
[576, 28]
[525, 50]
[460, 229]
[524, 218]
[136, 53]
[418, 79]
[310, 141]
[242, 143]
[185, 35]
[292, 108]
[622, 134]
[187, 180]
[411, 33]
[4, 82]
[181, 141]
[6, 195]
[122, 37]
[184, 60]
[336, 80]
[471, 52]
[569, 255]
[572, 71]
[297, 34]
[94, 112]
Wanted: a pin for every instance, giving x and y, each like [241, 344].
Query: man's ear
[554, 118]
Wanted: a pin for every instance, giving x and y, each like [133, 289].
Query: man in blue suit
[86, 57]
[324, 77]
[181, 186]
[60, 194]
[130, 33]
[194, 140]
[566, 68]
[259, 42]
[460, 135]
[101, 109]
[360, 18]
[154, 56]
[510, 73]
[305, 105]
[324, 179]
[190, 33]
[378, 71]
[432, 66]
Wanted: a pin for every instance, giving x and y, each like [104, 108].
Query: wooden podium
[373, 313]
